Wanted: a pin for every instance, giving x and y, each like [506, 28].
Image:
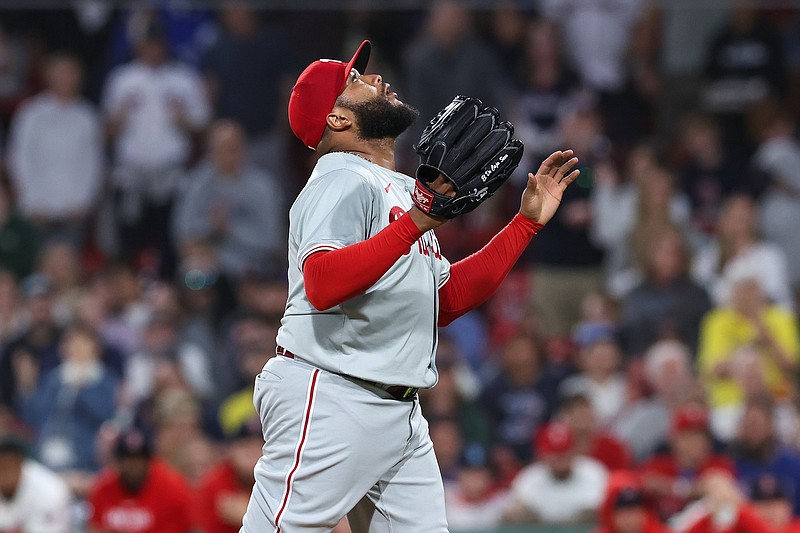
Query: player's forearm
[333, 277]
[474, 279]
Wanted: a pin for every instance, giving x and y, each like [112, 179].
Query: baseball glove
[466, 143]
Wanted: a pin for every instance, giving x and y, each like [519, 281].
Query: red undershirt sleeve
[333, 277]
[475, 278]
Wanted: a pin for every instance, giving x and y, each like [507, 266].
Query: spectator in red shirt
[225, 490]
[577, 413]
[672, 478]
[624, 509]
[723, 509]
[140, 494]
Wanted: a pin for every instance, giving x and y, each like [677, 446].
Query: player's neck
[379, 151]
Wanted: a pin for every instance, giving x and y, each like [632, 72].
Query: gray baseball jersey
[389, 333]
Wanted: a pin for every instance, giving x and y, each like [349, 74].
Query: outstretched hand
[544, 191]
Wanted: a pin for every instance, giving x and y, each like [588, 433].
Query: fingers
[572, 176]
[565, 169]
[554, 161]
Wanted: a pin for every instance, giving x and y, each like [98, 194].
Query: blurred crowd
[637, 371]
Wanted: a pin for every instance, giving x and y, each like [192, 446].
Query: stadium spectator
[449, 58]
[448, 444]
[59, 261]
[56, 155]
[123, 314]
[473, 501]
[161, 354]
[608, 51]
[667, 303]
[153, 107]
[577, 413]
[709, 171]
[32, 498]
[628, 212]
[516, 399]
[773, 504]
[745, 66]
[222, 496]
[673, 478]
[758, 451]
[456, 398]
[644, 423]
[248, 70]
[566, 263]
[722, 509]
[562, 487]
[19, 239]
[625, 508]
[233, 207]
[737, 252]
[747, 348]
[70, 404]
[32, 353]
[600, 378]
[777, 159]
[139, 493]
[15, 70]
[238, 408]
[547, 91]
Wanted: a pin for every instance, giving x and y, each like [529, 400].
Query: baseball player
[368, 288]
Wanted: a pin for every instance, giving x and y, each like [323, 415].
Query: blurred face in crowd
[668, 371]
[474, 482]
[641, 161]
[448, 23]
[656, 190]
[690, 447]
[10, 473]
[133, 471]
[239, 20]
[80, 346]
[579, 416]
[60, 263]
[601, 359]
[521, 361]
[39, 307]
[738, 219]
[559, 464]
[64, 77]
[756, 429]
[666, 258]
[227, 147]
[629, 519]
[747, 297]
[152, 51]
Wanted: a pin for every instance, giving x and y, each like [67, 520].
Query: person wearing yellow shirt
[748, 348]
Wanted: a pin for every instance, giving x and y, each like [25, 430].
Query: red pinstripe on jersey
[298, 453]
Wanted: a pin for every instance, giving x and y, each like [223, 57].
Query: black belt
[398, 392]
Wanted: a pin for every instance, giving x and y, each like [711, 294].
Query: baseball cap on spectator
[316, 90]
[474, 455]
[554, 438]
[690, 418]
[36, 284]
[592, 332]
[133, 443]
[629, 497]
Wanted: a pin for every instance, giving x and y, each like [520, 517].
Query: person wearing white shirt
[153, 107]
[562, 487]
[56, 154]
[32, 498]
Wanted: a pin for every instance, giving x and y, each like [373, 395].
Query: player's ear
[339, 119]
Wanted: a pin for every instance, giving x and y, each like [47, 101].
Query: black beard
[380, 119]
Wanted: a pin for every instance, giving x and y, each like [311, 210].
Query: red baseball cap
[315, 92]
[690, 418]
[554, 438]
